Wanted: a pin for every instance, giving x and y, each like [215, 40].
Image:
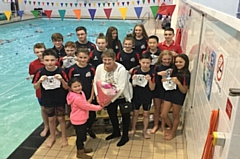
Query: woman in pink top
[79, 114]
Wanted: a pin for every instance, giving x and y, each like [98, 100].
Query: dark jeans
[112, 112]
[80, 135]
[91, 119]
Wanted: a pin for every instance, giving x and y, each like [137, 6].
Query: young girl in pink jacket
[79, 114]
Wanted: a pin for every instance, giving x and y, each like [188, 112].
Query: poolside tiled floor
[137, 148]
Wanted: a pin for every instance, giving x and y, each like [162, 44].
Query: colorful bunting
[47, 3]
[34, 2]
[118, 3]
[39, 3]
[20, 1]
[138, 2]
[159, 1]
[99, 4]
[80, 4]
[43, 3]
[35, 13]
[52, 3]
[89, 4]
[109, 4]
[154, 10]
[71, 4]
[8, 14]
[149, 1]
[94, 4]
[138, 11]
[66, 4]
[85, 4]
[20, 13]
[133, 2]
[113, 4]
[30, 2]
[153, 1]
[77, 12]
[92, 13]
[128, 3]
[62, 13]
[48, 13]
[75, 4]
[103, 4]
[61, 4]
[108, 12]
[56, 4]
[25, 2]
[143, 1]
[123, 12]
[166, 10]
[123, 3]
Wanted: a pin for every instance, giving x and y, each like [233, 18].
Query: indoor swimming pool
[19, 109]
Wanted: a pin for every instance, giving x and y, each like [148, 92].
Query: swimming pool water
[19, 109]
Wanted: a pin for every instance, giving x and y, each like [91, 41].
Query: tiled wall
[222, 39]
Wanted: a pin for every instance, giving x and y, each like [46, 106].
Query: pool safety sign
[220, 69]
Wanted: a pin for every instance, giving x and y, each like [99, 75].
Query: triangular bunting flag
[154, 1]
[123, 12]
[30, 2]
[85, 4]
[71, 4]
[154, 10]
[149, 1]
[143, 1]
[48, 13]
[20, 13]
[123, 3]
[62, 13]
[118, 3]
[138, 11]
[39, 3]
[66, 4]
[99, 4]
[138, 2]
[56, 4]
[77, 12]
[75, 4]
[20, 1]
[108, 12]
[94, 4]
[47, 3]
[89, 4]
[25, 2]
[61, 4]
[34, 2]
[80, 4]
[128, 3]
[113, 4]
[159, 1]
[109, 4]
[103, 4]
[133, 2]
[52, 3]
[43, 3]
[8, 14]
[35, 13]
[92, 13]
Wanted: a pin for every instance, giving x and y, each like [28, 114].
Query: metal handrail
[148, 14]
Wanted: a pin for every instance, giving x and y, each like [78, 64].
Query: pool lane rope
[208, 150]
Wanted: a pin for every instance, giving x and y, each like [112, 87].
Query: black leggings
[80, 135]
[112, 112]
[91, 119]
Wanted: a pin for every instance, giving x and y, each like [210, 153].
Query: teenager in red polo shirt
[169, 43]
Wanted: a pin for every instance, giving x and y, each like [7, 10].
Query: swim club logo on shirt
[121, 59]
[95, 58]
[88, 74]
[143, 47]
[132, 59]
[51, 83]
[140, 80]
[89, 49]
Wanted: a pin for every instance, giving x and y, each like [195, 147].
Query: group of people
[140, 69]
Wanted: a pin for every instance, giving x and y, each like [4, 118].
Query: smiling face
[128, 44]
[101, 44]
[179, 63]
[114, 34]
[76, 87]
[152, 43]
[138, 31]
[39, 52]
[166, 60]
[82, 59]
[168, 35]
[58, 43]
[108, 62]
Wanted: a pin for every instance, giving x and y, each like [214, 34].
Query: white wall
[229, 7]
[99, 10]
[222, 40]
[4, 6]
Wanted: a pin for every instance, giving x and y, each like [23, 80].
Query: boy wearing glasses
[57, 40]
[82, 39]
[169, 43]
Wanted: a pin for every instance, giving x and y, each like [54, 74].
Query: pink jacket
[80, 107]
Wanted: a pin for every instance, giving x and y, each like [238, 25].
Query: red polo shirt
[172, 47]
[33, 67]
